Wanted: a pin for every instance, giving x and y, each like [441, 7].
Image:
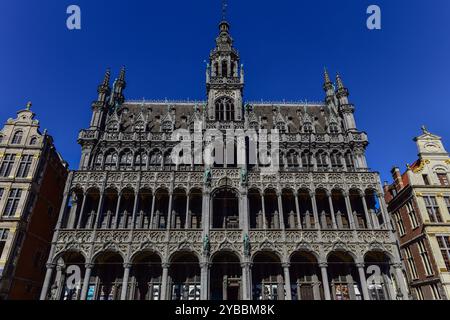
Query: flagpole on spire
[224, 10]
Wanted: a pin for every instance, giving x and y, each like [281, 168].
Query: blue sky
[398, 77]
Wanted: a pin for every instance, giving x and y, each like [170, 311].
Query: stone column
[204, 281]
[48, 278]
[403, 295]
[87, 277]
[169, 212]
[384, 211]
[263, 207]
[326, 285]
[126, 276]
[187, 217]
[99, 209]
[297, 209]
[363, 280]
[152, 212]
[164, 282]
[246, 292]
[71, 223]
[315, 213]
[135, 206]
[116, 219]
[244, 209]
[280, 210]
[333, 217]
[366, 212]
[206, 217]
[287, 281]
[83, 204]
[351, 221]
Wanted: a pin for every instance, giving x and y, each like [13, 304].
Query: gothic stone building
[141, 226]
[32, 179]
[419, 202]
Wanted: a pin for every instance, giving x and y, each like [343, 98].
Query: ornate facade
[139, 225]
[419, 203]
[32, 180]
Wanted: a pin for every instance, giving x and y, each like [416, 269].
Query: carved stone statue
[247, 245]
[206, 245]
[244, 177]
[207, 177]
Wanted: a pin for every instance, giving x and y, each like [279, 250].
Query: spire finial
[122, 74]
[29, 104]
[425, 130]
[327, 76]
[339, 82]
[224, 10]
[107, 77]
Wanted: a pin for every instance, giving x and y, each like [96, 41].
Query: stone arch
[145, 276]
[225, 208]
[226, 274]
[184, 274]
[305, 276]
[267, 276]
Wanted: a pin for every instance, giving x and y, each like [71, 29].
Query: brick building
[32, 179]
[419, 203]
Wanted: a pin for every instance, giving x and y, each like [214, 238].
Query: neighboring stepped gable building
[32, 179]
[141, 226]
[419, 203]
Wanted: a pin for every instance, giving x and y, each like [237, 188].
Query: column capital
[286, 265]
[127, 265]
[397, 265]
[360, 264]
[246, 265]
[89, 265]
[165, 265]
[323, 264]
[205, 265]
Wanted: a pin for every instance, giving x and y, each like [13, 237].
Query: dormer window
[33, 141]
[334, 129]
[308, 128]
[17, 138]
[113, 126]
[139, 127]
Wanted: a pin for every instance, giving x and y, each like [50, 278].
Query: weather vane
[224, 9]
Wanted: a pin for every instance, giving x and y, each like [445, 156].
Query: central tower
[224, 79]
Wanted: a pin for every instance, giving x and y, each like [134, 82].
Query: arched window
[155, 158]
[307, 160]
[216, 69]
[224, 69]
[336, 159]
[224, 109]
[140, 159]
[321, 158]
[111, 160]
[292, 158]
[33, 141]
[17, 138]
[168, 163]
[349, 162]
[126, 160]
[98, 161]
[1, 138]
